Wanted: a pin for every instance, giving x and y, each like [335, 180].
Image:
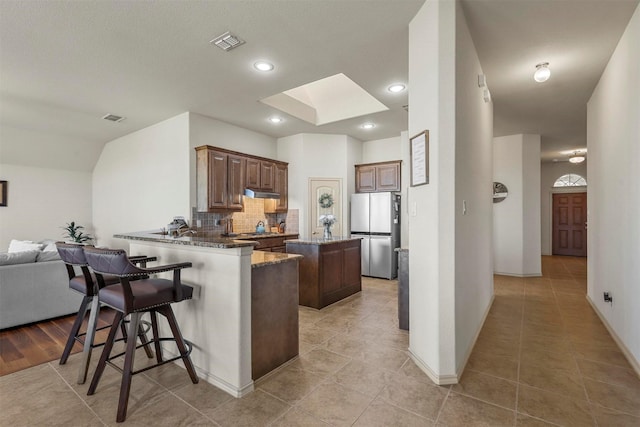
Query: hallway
[544, 352]
[542, 358]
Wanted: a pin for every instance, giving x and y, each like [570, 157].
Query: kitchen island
[329, 271]
[218, 320]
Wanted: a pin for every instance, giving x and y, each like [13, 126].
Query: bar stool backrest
[112, 262]
[73, 256]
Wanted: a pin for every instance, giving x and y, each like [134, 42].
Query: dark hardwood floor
[25, 346]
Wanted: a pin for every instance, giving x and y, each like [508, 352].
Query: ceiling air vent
[113, 118]
[227, 41]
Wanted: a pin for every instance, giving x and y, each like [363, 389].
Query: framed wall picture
[419, 146]
[3, 193]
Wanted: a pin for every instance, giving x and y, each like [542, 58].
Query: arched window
[570, 180]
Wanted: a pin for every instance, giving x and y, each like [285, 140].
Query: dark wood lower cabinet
[329, 271]
[274, 316]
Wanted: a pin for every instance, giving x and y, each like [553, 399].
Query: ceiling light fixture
[577, 157]
[396, 87]
[263, 66]
[275, 119]
[542, 73]
[368, 126]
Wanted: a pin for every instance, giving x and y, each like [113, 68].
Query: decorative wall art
[419, 146]
[3, 193]
[500, 192]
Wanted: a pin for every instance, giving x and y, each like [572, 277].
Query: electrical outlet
[414, 209]
[198, 223]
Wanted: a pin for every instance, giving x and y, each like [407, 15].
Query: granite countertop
[207, 241]
[262, 258]
[321, 240]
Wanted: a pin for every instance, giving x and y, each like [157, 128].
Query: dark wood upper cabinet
[267, 175]
[236, 169]
[365, 179]
[253, 174]
[378, 177]
[260, 174]
[282, 187]
[211, 180]
[222, 176]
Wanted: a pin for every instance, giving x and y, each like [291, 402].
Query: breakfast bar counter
[329, 271]
[218, 320]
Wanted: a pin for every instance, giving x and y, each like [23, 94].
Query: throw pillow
[24, 245]
[22, 257]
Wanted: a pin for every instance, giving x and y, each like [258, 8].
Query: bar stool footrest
[146, 327]
[187, 343]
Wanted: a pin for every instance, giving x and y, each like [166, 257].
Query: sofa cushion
[23, 257]
[24, 245]
[44, 256]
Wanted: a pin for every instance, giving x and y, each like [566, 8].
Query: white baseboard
[212, 379]
[627, 353]
[517, 275]
[470, 349]
[437, 379]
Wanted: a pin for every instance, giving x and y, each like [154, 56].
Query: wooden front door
[570, 224]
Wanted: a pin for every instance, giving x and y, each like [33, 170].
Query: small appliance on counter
[177, 226]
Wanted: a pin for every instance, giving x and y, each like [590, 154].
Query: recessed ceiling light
[275, 119]
[368, 126]
[397, 87]
[542, 73]
[263, 66]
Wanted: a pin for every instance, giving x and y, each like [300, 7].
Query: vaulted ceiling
[65, 64]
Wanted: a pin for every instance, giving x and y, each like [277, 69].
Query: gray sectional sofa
[35, 291]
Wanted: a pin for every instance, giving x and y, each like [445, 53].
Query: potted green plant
[73, 233]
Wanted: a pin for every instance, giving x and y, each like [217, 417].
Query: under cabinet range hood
[260, 194]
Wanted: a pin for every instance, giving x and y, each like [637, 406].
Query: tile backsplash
[245, 221]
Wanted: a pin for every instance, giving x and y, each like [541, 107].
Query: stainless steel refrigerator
[376, 218]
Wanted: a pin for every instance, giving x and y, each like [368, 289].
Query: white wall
[40, 201]
[382, 150]
[473, 183]
[51, 150]
[532, 262]
[432, 207]
[142, 180]
[516, 220]
[549, 173]
[205, 130]
[319, 156]
[613, 136]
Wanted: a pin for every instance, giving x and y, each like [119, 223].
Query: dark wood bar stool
[134, 299]
[85, 283]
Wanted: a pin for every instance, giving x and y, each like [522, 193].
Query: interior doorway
[325, 198]
[569, 232]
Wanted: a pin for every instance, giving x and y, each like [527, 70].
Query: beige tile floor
[542, 358]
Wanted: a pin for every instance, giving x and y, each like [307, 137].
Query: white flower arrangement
[327, 219]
